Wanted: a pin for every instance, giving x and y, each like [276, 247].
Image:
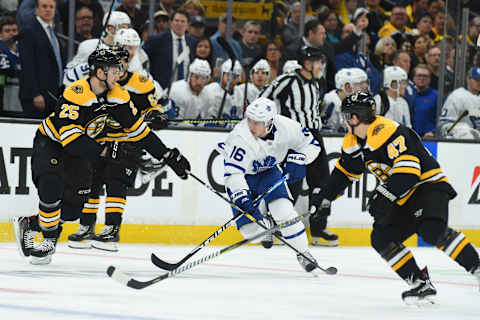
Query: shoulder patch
[377, 129]
[142, 78]
[139, 84]
[79, 93]
[380, 131]
[77, 89]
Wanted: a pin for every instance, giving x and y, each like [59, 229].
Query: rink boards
[173, 211]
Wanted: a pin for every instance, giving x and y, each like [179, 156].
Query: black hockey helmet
[305, 53]
[361, 104]
[104, 58]
[122, 52]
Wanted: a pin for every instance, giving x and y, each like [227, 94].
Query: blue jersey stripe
[295, 235]
[229, 164]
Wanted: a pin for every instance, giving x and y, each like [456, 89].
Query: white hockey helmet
[227, 66]
[290, 66]
[391, 74]
[127, 37]
[117, 18]
[261, 64]
[261, 109]
[342, 77]
[359, 76]
[200, 67]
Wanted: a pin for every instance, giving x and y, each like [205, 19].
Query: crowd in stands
[395, 43]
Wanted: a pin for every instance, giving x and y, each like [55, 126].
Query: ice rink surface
[246, 283]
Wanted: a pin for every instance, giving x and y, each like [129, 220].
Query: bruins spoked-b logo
[95, 127]
[77, 89]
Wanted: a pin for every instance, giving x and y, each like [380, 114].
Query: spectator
[413, 10]
[145, 31]
[377, 15]
[433, 62]
[460, 101]
[273, 55]
[420, 48]
[291, 29]
[250, 47]
[204, 51]
[164, 49]
[402, 59]
[42, 62]
[193, 8]
[351, 6]
[331, 22]
[83, 25]
[9, 67]
[472, 37]
[438, 25]
[196, 27]
[162, 20]
[218, 52]
[137, 16]
[424, 26]
[436, 6]
[167, 6]
[93, 5]
[384, 51]
[397, 24]
[189, 98]
[389, 101]
[425, 108]
[26, 15]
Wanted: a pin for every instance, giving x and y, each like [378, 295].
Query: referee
[298, 96]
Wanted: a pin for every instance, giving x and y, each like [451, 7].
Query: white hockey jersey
[78, 68]
[233, 107]
[459, 101]
[331, 113]
[252, 92]
[188, 105]
[398, 111]
[246, 154]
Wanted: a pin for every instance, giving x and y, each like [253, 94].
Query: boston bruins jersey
[394, 154]
[80, 115]
[144, 99]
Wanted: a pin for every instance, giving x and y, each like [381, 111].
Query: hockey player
[297, 96]
[189, 97]
[232, 108]
[117, 176]
[259, 76]
[390, 101]
[253, 151]
[64, 148]
[291, 66]
[412, 195]
[463, 104]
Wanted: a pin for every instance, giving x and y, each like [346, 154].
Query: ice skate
[306, 265]
[267, 241]
[422, 290]
[325, 239]
[24, 236]
[42, 252]
[83, 238]
[108, 239]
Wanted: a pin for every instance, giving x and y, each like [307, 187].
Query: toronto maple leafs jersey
[331, 113]
[186, 104]
[398, 110]
[233, 106]
[457, 103]
[247, 155]
[252, 93]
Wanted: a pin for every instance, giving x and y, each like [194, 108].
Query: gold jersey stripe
[402, 261]
[459, 248]
[350, 176]
[406, 157]
[71, 138]
[408, 170]
[430, 173]
[50, 126]
[69, 127]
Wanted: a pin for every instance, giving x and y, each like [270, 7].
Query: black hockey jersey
[80, 113]
[394, 154]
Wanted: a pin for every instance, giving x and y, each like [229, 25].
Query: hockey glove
[381, 205]
[157, 120]
[177, 162]
[244, 201]
[123, 154]
[319, 206]
[295, 167]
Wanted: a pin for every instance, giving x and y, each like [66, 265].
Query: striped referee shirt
[297, 98]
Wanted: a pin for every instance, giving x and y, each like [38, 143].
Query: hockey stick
[124, 279]
[195, 121]
[106, 23]
[171, 266]
[228, 49]
[463, 115]
[330, 270]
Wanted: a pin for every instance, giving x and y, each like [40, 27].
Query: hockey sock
[282, 210]
[89, 211]
[457, 247]
[114, 208]
[49, 218]
[401, 260]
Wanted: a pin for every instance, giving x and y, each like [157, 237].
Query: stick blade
[124, 279]
[163, 264]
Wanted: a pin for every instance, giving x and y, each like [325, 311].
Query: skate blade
[420, 302]
[17, 234]
[105, 246]
[324, 243]
[84, 244]
[40, 260]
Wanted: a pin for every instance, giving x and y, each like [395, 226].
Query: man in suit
[42, 62]
[163, 51]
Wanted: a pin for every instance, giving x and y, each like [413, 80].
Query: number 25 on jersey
[69, 111]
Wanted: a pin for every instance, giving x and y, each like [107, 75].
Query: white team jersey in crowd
[331, 113]
[187, 104]
[233, 107]
[246, 154]
[77, 68]
[398, 111]
[459, 101]
[252, 92]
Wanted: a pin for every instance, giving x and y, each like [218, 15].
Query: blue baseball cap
[474, 73]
